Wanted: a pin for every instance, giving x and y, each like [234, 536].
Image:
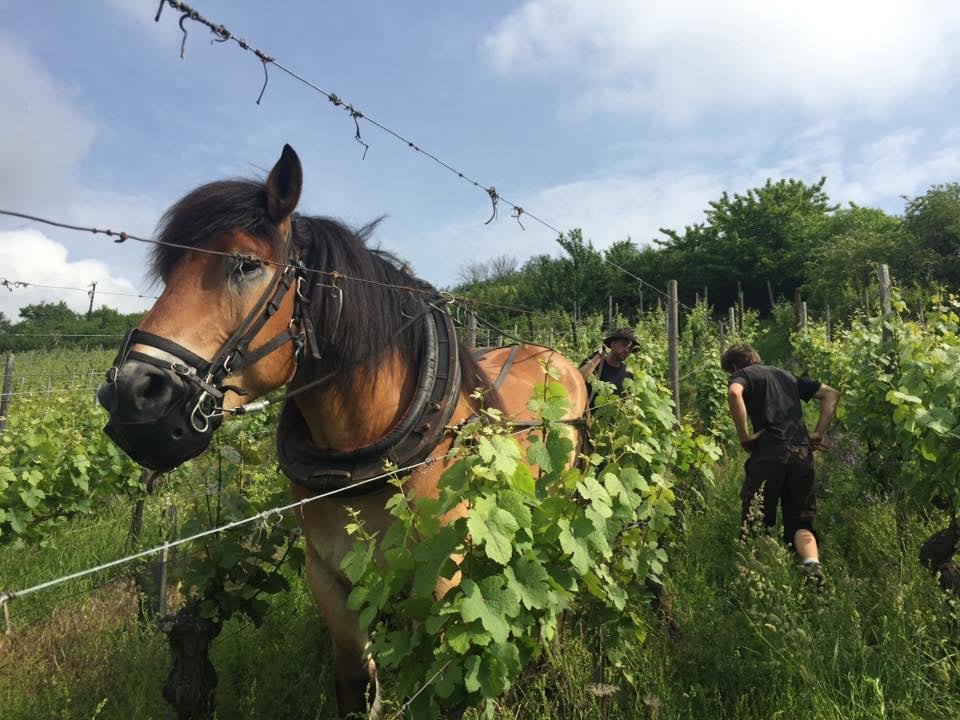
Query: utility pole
[92, 292]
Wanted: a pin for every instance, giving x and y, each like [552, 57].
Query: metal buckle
[182, 369]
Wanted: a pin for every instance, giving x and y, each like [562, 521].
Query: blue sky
[619, 117]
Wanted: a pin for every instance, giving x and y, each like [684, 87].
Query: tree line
[47, 325]
[766, 242]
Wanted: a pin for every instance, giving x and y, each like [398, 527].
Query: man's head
[737, 357]
[621, 342]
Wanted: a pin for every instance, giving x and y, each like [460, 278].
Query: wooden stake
[471, 329]
[673, 341]
[886, 305]
[7, 389]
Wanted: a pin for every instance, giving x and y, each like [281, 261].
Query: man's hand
[591, 365]
[819, 441]
[748, 441]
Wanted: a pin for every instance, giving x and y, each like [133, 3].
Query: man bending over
[781, 449]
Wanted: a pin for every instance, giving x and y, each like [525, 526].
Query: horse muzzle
[157, 416]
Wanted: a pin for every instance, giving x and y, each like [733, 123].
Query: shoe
[813, 574]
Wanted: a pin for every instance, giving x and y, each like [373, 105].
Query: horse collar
[413, 439]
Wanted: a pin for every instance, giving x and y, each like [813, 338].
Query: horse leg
[355, 676]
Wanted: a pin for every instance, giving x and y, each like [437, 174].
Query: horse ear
[283, 185]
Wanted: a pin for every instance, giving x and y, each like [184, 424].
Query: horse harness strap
[505, 370]
[413, 439]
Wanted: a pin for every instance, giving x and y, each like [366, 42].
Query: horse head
[228, 326]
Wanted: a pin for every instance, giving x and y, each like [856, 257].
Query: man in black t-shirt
[608, 361]
[781, 449]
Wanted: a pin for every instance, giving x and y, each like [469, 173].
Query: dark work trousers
[785, 472]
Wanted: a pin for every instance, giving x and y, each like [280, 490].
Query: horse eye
[248, 266]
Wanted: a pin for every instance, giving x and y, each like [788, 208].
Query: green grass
[881, 642]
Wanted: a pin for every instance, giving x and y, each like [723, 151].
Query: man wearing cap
[609, 360]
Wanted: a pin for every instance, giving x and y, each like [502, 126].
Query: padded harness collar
[413, 439]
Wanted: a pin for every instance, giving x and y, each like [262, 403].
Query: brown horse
[257, 297]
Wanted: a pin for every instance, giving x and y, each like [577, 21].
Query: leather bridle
[190, 420]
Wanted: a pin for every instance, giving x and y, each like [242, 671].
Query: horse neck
[356, 413]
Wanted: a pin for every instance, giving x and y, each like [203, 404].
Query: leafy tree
[934, 220]
[853, 242]
[764, 234]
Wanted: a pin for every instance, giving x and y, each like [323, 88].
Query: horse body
[323, 521]
[208, 301]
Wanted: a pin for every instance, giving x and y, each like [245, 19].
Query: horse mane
[375, 284]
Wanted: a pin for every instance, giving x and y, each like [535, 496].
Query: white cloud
[28, 255]
[43, 135]
[680, 60]
[877, 172]
[894, 166]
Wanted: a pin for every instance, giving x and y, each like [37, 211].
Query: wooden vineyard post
[471, 329]
[770, 295]
[732, 321]
[7, 389]
[829, 329]
[803, 314]
[610, 313]
[673, 340]
[170, 523]
[796, 309]
[886, 305]
[740, 306]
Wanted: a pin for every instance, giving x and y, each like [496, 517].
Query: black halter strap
[207, 376]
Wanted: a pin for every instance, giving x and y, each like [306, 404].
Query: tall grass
[881, 641]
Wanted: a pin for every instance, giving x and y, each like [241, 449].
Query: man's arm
[828, 398]
[591, 365]
[738, 411]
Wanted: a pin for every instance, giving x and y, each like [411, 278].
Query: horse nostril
[177, 433]
[145, 390]
[154, 388]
